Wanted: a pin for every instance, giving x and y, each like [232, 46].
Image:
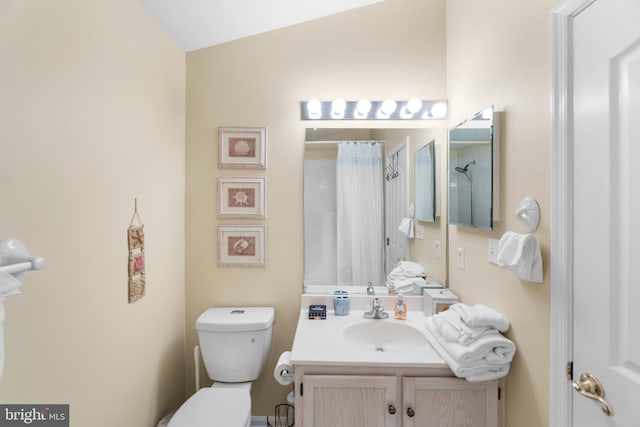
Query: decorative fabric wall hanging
[135, 235]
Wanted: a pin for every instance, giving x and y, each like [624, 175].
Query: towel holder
[15, 258]
[528, 213]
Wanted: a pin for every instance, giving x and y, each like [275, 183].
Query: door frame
[403, 144]
[562, 153]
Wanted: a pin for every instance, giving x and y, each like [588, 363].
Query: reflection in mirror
[425, 183]
[471, 172]
[336, 258]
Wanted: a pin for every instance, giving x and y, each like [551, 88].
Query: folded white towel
[401, 285]
[413, 269]
[449, 324]
[481, 315]
[473, 373]
[9, 285]
[520, 254]
[491, 349]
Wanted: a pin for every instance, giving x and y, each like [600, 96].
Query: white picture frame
[242, 245]
[242, 147]
[242, 197]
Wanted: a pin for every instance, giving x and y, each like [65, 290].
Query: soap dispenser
[400, 308]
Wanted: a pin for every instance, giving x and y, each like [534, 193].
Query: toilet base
[221, 405]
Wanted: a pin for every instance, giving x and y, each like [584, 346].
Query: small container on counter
[341, 303]
[438, 300]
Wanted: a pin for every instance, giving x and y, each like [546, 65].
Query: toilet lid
[211, 407]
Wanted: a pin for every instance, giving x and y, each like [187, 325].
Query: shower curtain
[360, 251]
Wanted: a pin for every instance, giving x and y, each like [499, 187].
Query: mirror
[399, 148]
[425, 182]
[472, 171]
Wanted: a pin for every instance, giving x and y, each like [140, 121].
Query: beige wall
[498, 52]
[392, 49]
[92, 106]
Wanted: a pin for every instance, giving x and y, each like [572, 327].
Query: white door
[606, 211]
[396, 205]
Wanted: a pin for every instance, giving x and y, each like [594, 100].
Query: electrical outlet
[436, 249]
[460, 261]
[493, 251]
[419, 232]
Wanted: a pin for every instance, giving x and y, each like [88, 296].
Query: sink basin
[383, 335]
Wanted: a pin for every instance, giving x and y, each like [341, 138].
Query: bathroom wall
[498, 52]
[392, 49]
[92, 115]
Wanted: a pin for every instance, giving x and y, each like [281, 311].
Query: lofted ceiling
[196, 24]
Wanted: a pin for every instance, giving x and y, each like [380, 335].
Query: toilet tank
[235, 341]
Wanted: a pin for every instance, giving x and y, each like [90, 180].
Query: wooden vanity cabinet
[455, 402]
[401, 399]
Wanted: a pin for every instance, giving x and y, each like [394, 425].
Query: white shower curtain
[360, 250]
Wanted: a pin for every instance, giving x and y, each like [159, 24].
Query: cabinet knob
[392, 409]
[410, 412]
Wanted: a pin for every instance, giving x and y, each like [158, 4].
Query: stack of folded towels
[469, 339]
[406, 275]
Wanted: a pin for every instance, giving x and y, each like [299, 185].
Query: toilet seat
[215, 407]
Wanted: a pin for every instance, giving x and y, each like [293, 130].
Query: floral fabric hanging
[135, 235]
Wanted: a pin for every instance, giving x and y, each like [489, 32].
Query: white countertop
[322, 342]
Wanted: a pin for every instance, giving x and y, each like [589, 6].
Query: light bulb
[414, 105]
[362, 108]
[337, 108]
[388, 106]
[439, 110]
[314, 108]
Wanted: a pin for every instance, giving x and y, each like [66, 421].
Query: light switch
[460, 258]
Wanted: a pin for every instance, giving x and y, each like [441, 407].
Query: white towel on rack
[406, 227]
[9, 285]
[520, 254]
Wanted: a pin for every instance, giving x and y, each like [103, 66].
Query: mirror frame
[471, 127]
[424, 196]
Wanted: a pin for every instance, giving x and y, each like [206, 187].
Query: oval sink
[381, 335]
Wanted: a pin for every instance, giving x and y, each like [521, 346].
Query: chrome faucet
[377, 311]
[370, 290]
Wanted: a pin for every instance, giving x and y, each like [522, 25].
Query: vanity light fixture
[364, 109]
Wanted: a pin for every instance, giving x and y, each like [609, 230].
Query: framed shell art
[242, 245]
[242, 148]
[242, 197]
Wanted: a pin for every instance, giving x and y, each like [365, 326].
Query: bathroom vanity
[351, 371]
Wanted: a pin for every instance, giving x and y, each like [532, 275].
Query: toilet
[235, 343]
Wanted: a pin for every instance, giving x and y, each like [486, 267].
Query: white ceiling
[196, 24]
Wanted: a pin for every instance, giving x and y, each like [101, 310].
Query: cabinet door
[449, 402]
[350, 401]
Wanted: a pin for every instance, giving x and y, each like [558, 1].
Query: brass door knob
[589, 386]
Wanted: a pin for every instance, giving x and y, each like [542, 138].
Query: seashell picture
[241, 245]
[242, 197]
[242, 148]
